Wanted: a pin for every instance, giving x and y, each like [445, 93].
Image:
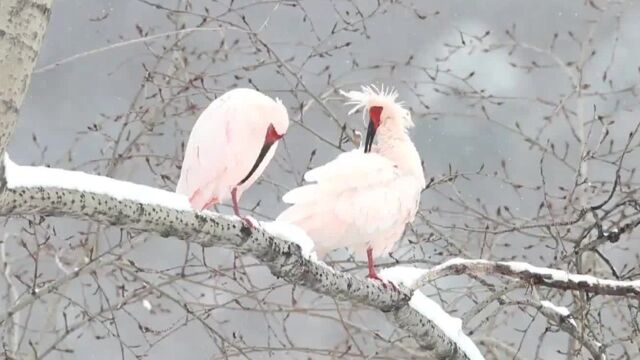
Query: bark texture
[22, 28]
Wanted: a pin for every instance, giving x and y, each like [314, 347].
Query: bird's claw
[385, 284]
[250, 222]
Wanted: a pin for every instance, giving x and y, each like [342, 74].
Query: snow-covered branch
[534, 275]
[431, 310]
[415, 278]
[55, 192]
[562, 318]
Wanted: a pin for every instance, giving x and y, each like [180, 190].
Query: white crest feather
[371, 96]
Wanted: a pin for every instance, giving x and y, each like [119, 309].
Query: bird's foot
[374, 275]
[385, 284]
[249, 224]
[250, 221]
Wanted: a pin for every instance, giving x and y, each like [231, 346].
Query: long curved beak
[263, 152]
[371, 133]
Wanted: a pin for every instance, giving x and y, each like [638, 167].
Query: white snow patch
[292, 233]
[555, 274]
[405, 275]
[40, 176]
[562, 275]
[451, 326]
[563, 311]
[146, 304]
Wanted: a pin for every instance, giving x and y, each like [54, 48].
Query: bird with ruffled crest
[364, 198]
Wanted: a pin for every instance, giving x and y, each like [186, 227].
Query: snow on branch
[294, 234]
[562, 317]
[540, 276]
[451, 326]
[415, 278]
[563, 312]
[73, 194]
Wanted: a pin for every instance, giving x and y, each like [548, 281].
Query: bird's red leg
[371, 265]
[372, 271]
[236, 209]
[234, 201]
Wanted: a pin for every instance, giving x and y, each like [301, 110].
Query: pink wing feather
[357, 200]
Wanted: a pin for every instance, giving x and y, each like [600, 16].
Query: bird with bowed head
[230, 145]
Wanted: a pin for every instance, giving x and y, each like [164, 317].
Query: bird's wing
[223, 144]
[354, 195]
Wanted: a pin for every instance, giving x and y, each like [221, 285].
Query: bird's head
[279, 123]
[385, 114]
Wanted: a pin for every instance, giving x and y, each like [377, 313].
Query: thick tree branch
[22, 27]
[55, 192]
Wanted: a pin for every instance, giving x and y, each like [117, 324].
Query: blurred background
[522, 110]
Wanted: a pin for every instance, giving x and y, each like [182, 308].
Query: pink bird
[230, 145]
[363, 199]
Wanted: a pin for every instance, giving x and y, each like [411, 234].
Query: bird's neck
[399, 148]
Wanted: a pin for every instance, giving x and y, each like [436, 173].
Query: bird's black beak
[371, 133]
[263, 152]
[269, 139]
